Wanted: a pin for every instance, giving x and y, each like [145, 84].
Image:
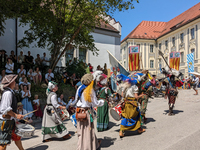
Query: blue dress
[27, 105]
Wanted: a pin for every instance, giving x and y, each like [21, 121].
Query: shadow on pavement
[41, 147]
[35, 136]
[174, 111]
[61, 139]
[150, 120]
[112, 124]
[107, 142]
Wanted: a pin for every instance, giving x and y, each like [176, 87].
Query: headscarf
[51, 86]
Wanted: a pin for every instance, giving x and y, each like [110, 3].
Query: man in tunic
[52, 126]
[8, 112]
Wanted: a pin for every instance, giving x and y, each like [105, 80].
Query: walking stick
[161, 54]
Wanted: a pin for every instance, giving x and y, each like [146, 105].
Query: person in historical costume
[196, 84]
[103, 112]
[131, 120]
[8, 113]
[52, 126]
[171, 92]
[86, 98]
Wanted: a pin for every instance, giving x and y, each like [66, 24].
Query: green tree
[58, 24]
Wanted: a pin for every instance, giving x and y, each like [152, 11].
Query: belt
[49, 105]
[86, 108]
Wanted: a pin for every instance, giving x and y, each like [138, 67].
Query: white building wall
[103, 43]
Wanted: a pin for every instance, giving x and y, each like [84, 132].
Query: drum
[73, 119]
[116, 112]
[24, 130]
[64, 114]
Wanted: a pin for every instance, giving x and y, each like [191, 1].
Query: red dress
[38, 113]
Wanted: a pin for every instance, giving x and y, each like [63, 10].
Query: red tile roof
[107, 26]
[154, 30]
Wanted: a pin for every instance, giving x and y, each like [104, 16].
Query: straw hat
[87, 79]
[19, 104]
[8, 79]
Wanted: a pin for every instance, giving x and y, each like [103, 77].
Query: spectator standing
[29, 61]
[26, 94]
[3, 58]
[21, 58]
[38, 76]
[36, 106]
[9, 66]
[49, 76]
[45, 60]
[38, 61]
[21, 71]
[14, 59]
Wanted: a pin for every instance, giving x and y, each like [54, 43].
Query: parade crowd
[93, 99]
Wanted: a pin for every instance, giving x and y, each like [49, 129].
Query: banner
[174, 60]
[134, 58]
[190, 62]
[116, 68]
[134, 61]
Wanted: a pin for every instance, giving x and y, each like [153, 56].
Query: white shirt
[61, 101]
[54, 101]
[131, 91]
[35, 73]
[5, 104]
[44, 62]
[26, 95]
[51, 75]
[196, 80]
[85, 104]
[9, 67]
[22, 72]
[37, 101]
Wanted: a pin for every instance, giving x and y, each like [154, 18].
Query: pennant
[134, 61]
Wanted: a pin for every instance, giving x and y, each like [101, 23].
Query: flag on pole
[134, 58]
[174, 60]
[134, 61]
[116, 68]
[190, 62]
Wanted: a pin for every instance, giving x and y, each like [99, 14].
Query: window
[173, 41]
[151, 63]
[159, 46]
[69, 54]
[166, 44]
[151, 48]
[192, 33]
[82, 54]
[182, 37]
[192, 50]
[182, 57]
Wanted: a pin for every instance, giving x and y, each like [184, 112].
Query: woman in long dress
[103, 112]
[52, 126]
[86, 98]
[26, 94]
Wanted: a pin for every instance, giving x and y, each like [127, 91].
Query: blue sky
[151, 10]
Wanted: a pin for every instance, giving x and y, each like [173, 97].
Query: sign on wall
[134, 49]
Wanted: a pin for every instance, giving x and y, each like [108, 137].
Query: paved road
[163, 132]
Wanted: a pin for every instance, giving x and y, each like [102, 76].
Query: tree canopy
[58, 24]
